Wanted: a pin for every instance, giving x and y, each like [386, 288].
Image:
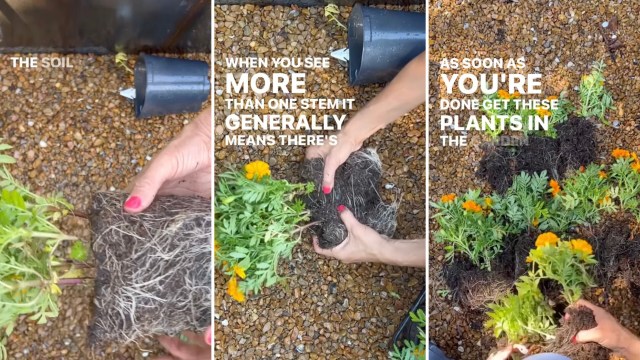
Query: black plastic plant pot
[407, 329]
[381, 42]
[169, 85]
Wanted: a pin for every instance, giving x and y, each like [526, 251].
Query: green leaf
[78, 251]
[6, 159]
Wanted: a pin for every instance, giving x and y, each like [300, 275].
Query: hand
[609, 333]
[363, 244]
[502, 354]
[182, 168]
[198, 348]
[334, 156]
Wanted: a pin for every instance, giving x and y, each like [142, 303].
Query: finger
[180, 349]
[331, 164]
[148, 183]
[207, 336]
[313, 152]
[319, 250]
[591, 335]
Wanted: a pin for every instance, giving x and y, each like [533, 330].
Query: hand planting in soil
[256, 225]
[153, 268]
[31, 267]
[526, 316]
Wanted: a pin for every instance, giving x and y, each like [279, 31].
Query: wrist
[628, 345]
[351, 139]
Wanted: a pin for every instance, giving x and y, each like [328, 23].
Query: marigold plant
[31, 268]
[595, 99]
[523, 204]
[467, 230]
[256, 225]
[625, 181]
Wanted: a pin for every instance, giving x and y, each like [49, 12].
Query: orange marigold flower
[256, 170]
[620, 153]
[516, 95]
[448, 198]
[581, 246]
[472, 206]
[634, 156]
[238, 270]
[636, 166]
[547, 238]
[552, 97]
[606, 199]
[582, 168]
[543, 112]
[234, 291]
[602, 175]
[555, 187]
[503, 94]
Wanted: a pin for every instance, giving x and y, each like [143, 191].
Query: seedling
[330, 12]
[595, 99]
[121, 61]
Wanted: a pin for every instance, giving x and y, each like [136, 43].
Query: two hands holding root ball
[363, 244]
[184, 168]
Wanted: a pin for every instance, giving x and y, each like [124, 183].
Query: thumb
[591, 335]
[347, 217]
[146, 185]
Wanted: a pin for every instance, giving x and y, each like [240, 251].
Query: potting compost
[153, 268]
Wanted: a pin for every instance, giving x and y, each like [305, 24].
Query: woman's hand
[502, 354]
[182, 168]
[334, 156]
[609, 333]
[363, 244]
[197, 347]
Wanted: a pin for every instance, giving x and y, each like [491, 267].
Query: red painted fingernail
[573, 340]
[326, 190]
[133, 203]
[341, 208]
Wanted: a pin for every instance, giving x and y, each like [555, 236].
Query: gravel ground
[560, 39]
[72, 132]
[327, 310]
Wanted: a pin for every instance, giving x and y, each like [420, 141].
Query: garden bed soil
[356, 186]
[473, 288]
[575, 146]
[153, 268]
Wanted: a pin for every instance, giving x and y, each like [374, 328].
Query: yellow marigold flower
[516, 95]
[602, 175]
[256, 170]
[620, 153]
[535, 222]
[529, 259]
[555, 187]
[216, 247]
[547, 238]
[503, 94]
[234, 291]
[239, 271]
[634, 156]
[472, 206]
[606, 199]
[543, 112]
[582, 246]
[488, 201]
[448, 198]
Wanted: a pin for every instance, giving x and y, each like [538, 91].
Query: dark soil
[153, 269]
[575, 146]
[472, 287]
[356, 185]
[580, 318]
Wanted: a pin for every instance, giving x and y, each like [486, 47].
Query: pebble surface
[326, 309]
[560, 40]
[72, 132]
